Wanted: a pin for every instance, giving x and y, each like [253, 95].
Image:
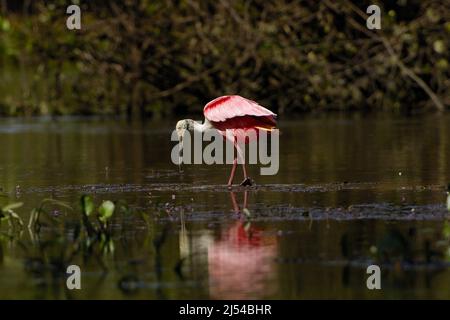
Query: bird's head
[182, 126]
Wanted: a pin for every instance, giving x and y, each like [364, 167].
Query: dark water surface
[350, 192]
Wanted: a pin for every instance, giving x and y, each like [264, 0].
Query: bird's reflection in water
[241, 259]
[238, 258]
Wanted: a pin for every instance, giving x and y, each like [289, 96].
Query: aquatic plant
[103, 213]
[8, 214]
[90, 236]
[93, 226]
[45, 213]
[99, 229]
[62, 234]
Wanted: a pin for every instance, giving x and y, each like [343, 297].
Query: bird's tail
[267, 123]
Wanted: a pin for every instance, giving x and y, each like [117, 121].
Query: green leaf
[106, 210]
[111, 246]
[12, 206]
[87, 205]
[16, 217]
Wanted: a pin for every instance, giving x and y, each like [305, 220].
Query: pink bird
[234, 114]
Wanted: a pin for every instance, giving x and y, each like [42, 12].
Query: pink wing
[229, 107]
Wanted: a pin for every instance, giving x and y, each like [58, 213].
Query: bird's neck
[201, 127]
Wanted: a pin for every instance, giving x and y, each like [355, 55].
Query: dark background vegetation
[159, 58]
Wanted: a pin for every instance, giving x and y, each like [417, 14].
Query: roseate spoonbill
[236, 114]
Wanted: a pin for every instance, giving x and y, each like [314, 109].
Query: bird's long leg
[245, 199]
[244, 168]
[233, 170]
[247, 181]
[236, 208]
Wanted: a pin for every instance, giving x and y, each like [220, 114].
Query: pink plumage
[229, 107]
[243, 118]
[240, 116]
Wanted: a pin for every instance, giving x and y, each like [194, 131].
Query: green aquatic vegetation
[93, 226]
[9, 215]
[61, 234]
[87, 205]
[44, 213]
[87, 208]
[92, 236]
[105, 211]
[96, 222]
[102, 214]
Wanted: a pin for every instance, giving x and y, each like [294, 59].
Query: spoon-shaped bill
[180, 152]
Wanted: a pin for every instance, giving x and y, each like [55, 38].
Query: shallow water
[351, 191]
